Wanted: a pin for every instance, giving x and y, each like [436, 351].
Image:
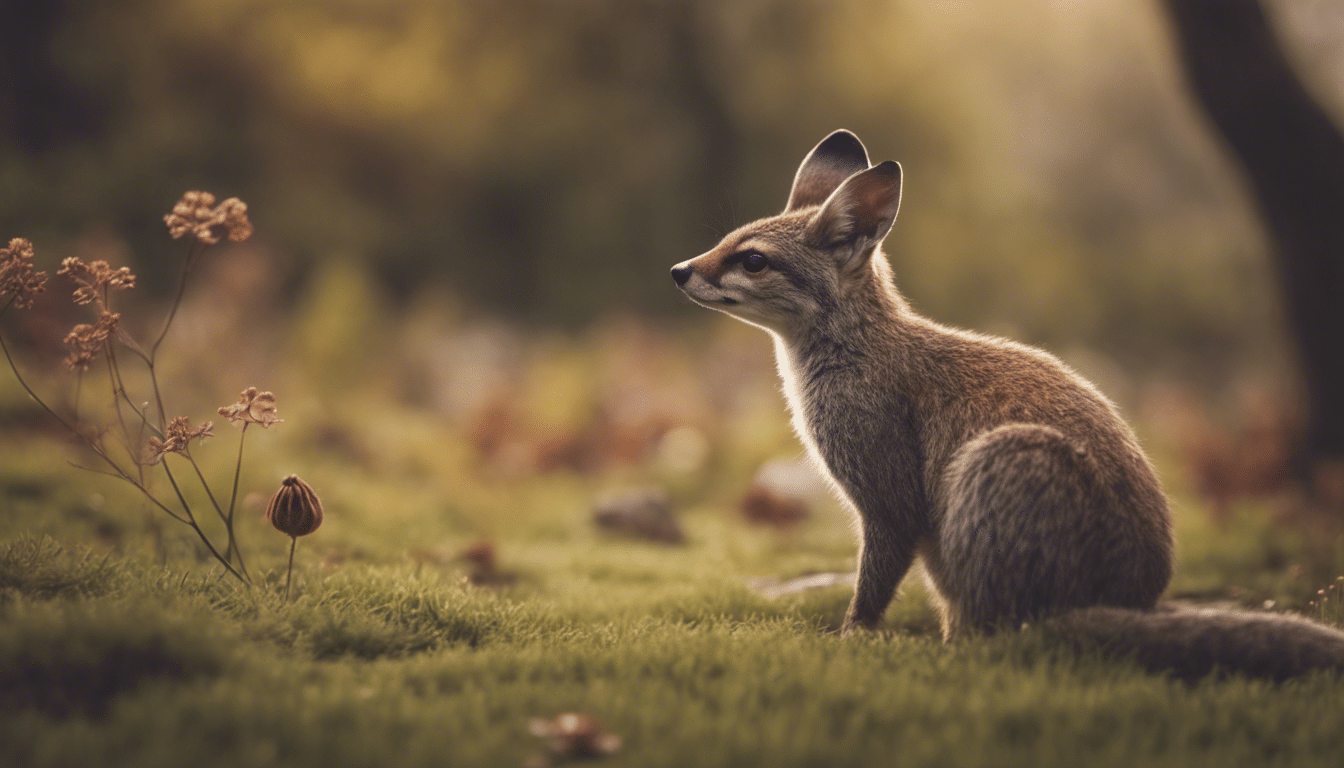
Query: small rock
[639, 514]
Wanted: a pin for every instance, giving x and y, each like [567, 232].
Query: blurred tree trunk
[1293, 156]
[39, 105]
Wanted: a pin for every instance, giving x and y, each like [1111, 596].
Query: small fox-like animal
[1014, 482]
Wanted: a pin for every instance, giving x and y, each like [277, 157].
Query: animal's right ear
[825, 168]
[859, 214]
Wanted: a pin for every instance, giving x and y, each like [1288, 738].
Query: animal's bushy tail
[1192, 642]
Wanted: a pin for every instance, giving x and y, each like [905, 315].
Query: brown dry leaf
[766, 506]
[485, 570]
[575, 735]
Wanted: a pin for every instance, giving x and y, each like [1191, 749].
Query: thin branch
[79, 389]
[114, 377]
[192, 252]
[144, 420]
[95, 471]
[13, 367]
[158, 396]
[182, 499]
[237, 469]
[206, 540]
[127, 342]
[191, 521]
[118, 388]
[218, 509]
[232, 548]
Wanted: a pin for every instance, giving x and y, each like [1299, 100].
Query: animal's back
[970, 383]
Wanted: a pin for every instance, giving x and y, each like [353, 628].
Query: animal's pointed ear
[835, 159]
[860, 213]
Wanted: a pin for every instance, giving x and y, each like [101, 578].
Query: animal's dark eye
[754, 262]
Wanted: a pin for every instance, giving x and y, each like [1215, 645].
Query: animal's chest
[852, 442]
[859, 434]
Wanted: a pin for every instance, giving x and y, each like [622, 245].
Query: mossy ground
[108, 656]
[120, 644]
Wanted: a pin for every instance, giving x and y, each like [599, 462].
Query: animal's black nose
[681, 274]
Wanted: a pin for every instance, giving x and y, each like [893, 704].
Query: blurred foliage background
[547, 161]
[458, 291]
[472, 207]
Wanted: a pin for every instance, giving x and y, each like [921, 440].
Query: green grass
[116, 659]
[121, 645]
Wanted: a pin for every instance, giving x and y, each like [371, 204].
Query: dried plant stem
[232, 549]
[31, 393]
[289, 572]
[117, 471]
[140, 410]
[119, 392]
[158, 396]
[191, 520]
[237, 470]
[192, 252]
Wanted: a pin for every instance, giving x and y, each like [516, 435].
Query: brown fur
[1010, 477]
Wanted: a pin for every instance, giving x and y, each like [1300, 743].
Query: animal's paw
[850, 628]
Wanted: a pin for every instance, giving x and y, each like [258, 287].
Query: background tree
[1293, 156]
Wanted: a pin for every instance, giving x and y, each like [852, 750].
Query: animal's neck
[869, 319]
[860, 341]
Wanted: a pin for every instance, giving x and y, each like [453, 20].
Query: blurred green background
[458, 291]
[546, 161]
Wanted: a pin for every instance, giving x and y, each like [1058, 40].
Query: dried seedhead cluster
[86, 341]
[95, 280]
[145, 432]
[197, 216]
[19, 284]
[253, 407]
[178, 436]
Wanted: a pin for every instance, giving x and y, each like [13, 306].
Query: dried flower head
[197, 215]
[18, 281]
[95, 278]
[85, 341]
[179, 436]
[253, 407]
[573, 734]
[295, 509]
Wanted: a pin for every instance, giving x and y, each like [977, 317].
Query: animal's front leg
[885, 555]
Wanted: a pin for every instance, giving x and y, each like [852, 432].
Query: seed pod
[295, 508]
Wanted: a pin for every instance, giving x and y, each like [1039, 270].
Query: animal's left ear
[858, 215]
[835, 159]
